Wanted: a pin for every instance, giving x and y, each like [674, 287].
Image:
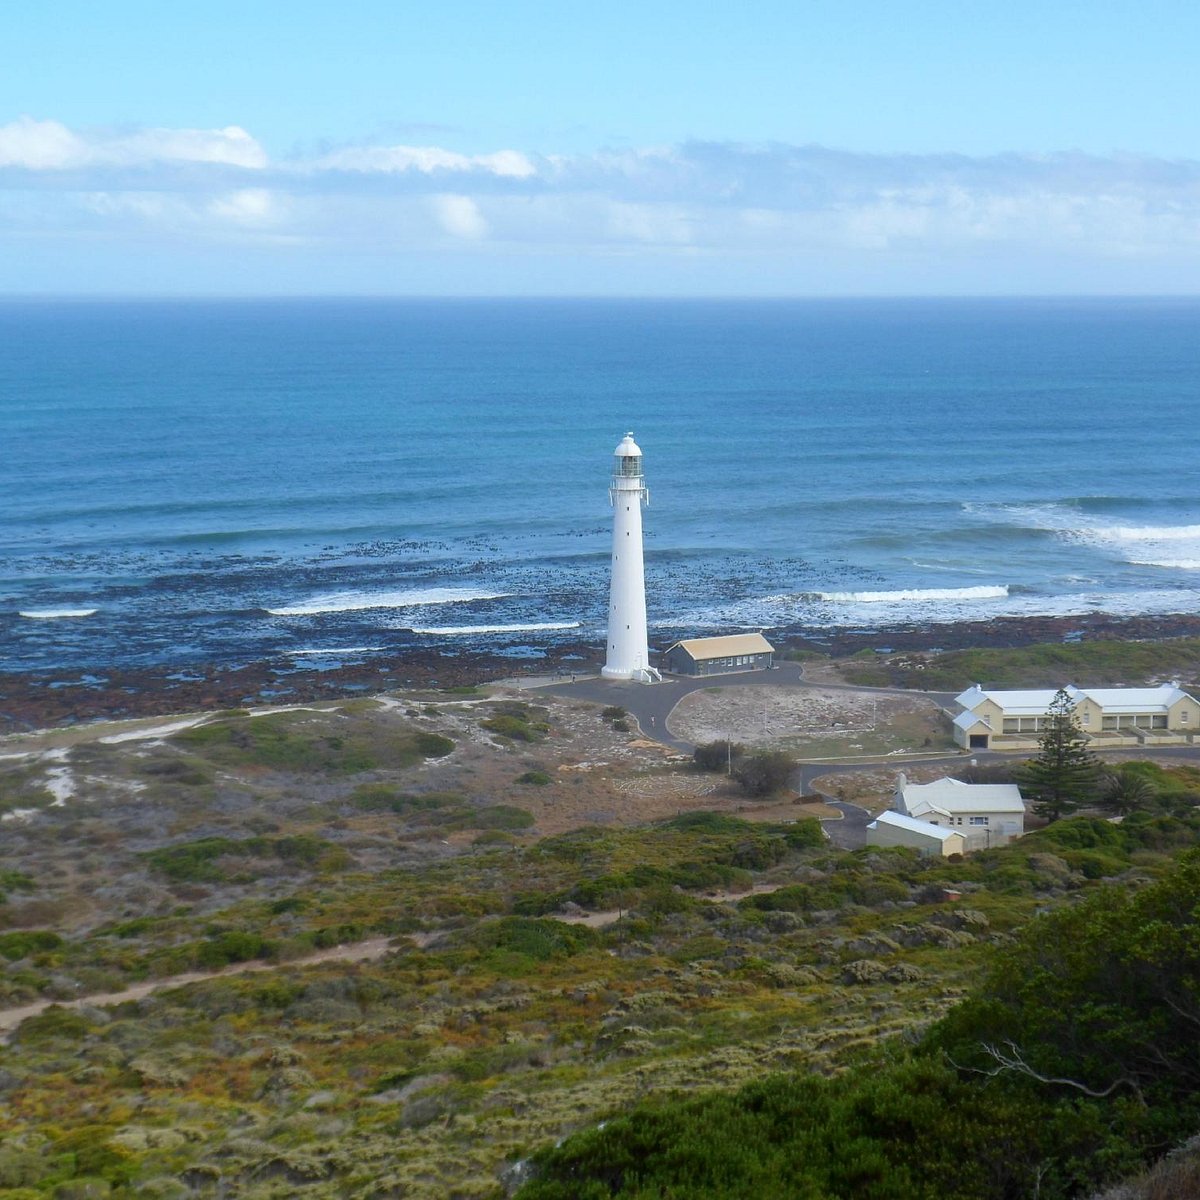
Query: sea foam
[56, 614]
[360, 601]
[464, 630]
[985, 592]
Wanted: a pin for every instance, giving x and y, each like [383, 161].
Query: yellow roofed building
[719, 655]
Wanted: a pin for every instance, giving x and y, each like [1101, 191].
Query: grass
[1088, 664]
[298, 744]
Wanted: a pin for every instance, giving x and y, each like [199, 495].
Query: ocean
[316, 481]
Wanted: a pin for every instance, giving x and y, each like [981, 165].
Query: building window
[1109, 723]
[979, 820]
[1183, 717]
[1159, 723]
[1012, 725]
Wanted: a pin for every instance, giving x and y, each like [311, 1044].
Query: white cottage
[987, 814]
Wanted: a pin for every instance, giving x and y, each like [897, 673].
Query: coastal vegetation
[454, 977]
[1071, 1062]
[1101, 663]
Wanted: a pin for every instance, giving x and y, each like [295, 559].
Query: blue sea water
[227, 481]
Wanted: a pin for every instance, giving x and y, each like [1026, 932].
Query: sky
[652, 148]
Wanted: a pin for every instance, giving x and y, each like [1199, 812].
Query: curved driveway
[652, 704]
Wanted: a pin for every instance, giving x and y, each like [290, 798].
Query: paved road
[652, 704]
[850, 833]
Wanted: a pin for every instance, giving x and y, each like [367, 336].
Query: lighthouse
[628, 655]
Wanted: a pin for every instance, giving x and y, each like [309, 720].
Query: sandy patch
[151, 731]
[808, 719]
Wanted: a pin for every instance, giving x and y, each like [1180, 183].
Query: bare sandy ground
[775, 716]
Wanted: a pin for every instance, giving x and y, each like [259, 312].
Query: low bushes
[25, 942]
[199, 861]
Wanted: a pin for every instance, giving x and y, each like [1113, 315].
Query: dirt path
[366, 951]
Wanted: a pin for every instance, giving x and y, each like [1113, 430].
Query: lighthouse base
[631, 675]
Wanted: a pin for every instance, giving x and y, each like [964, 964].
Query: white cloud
[231, 146]
[766, 204]
[427, 160]
[460, 216]
[40, 145]
[247, 206]
[50, 146]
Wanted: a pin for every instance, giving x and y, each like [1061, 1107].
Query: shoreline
[43, 700]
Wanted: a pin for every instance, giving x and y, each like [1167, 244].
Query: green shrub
[537, 939]
[495, 816]
[907, 1131]
[1094, 864]
[14, 881]
[197, 862]
[178, 770]
[614, 712]
[93, 1154]
[233, 946]
[433, 745]
[763, 773]
[796, 897]
[704, 821]
[537, 778]
[718, 755]
[22, 943]
[54, 1022]
[514, 728]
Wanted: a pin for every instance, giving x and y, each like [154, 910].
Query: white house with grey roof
[1014, 720]
[987, 814]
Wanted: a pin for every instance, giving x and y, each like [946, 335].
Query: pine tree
[1065, 773]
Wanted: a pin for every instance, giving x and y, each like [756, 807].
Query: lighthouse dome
[628, 448]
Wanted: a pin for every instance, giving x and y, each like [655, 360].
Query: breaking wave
[361, 601]
[997, 592]
[1165, 546]
[462, 630]
[56, 614]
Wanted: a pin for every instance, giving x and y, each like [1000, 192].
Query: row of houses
[1111, 717]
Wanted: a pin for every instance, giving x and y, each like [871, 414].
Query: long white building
[1014, 720]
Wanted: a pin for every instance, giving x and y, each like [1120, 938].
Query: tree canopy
[1065, 773]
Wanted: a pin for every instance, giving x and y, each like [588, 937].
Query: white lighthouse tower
[628, 655]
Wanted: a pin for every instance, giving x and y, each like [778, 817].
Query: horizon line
[656, 297]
